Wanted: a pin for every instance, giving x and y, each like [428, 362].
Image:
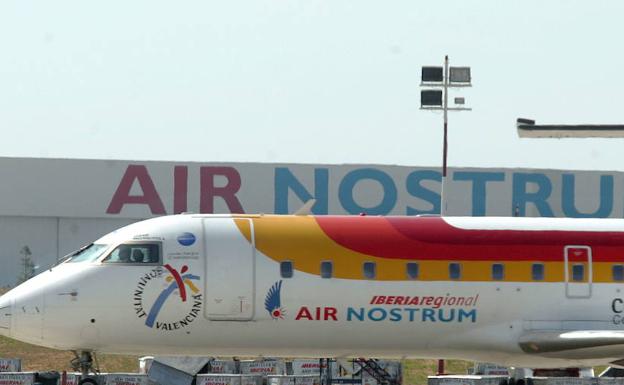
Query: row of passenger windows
[412, 271]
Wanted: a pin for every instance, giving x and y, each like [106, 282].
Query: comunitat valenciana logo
[273, 301]
[176, 306]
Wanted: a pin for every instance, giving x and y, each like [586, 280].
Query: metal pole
[445, 145]
[444, 156]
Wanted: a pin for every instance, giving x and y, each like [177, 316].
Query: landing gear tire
[84, 363]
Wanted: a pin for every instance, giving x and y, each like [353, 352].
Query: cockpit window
[88, 253]
[135, 253]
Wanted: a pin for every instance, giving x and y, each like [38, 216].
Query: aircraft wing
[574, 344]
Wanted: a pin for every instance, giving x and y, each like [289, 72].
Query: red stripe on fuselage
[432, 238]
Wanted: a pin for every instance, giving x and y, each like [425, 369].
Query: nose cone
[5, 315]
[27, 312]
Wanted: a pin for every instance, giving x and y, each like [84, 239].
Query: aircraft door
[578, 271]
[230, 261]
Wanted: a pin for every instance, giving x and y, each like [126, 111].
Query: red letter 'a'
[122, 195]
[303, 313]
[208, 191]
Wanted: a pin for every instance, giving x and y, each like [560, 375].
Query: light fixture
[431, 98]
[432, 75]
[460, 75]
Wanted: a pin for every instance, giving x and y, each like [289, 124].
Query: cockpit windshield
[89, 253]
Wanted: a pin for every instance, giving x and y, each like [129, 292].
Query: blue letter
[345, 192]
[450, 318]
[286, 181]
[411, 313]
[479, 180]
[606, 198]
[382, 314]
[472, 315]
[521, 197]
[412, 184]
[351, 313]
[395, 315]
[428, 314]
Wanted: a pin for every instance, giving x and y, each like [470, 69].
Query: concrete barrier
[306, 367]
[293, 380]
[70, 379]
[218, 379]
[229, 379]
[611, 380]
[263, 367]
[12, 378]
[10, 365]
[222, 367]
[577, 381]
[251, 380]
[489, 369]
[466, 380]
[127, 379]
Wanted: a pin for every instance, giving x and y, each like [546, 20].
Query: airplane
[520, 292]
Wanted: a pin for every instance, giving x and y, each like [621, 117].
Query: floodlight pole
[445, 109]
[445, 144]
[444, 155]
[442, 104]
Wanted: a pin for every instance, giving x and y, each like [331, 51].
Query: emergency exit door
[578, 271]
[229, 269]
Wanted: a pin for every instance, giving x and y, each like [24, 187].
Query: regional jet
[524, 292]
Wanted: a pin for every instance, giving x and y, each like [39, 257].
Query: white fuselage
[105, 307]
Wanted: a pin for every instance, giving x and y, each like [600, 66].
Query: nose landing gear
[84, 363]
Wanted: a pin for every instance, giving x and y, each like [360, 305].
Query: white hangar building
[54, 206]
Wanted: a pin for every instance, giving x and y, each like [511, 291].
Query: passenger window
[454, 270]
[327, 269]
[537, 271]
[498, 271]
[370, 270]
[135, 254]
[618, 272]
[411, 268]
[286, 269]
[578, 273]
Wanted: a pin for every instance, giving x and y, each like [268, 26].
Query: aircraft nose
[5, 315]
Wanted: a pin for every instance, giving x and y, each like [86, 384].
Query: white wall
[39, 234]
[55, 206]
[87, 189]
[47, 238]
[74, 233]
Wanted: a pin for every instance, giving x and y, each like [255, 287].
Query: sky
[309, 81]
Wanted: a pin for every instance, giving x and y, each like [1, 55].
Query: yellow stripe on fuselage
[301, 240]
